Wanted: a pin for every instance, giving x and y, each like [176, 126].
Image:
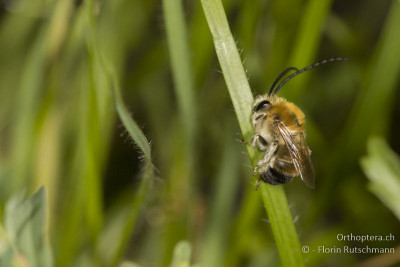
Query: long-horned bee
[280, 133]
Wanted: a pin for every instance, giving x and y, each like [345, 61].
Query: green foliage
[128, 264]
[182, 253]
[382, 167]
[120, 109]
[274, 197]
[308, 39]
[378, 87]
[99, 62]
[25, 232]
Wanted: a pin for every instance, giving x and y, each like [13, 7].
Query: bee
[279, 127]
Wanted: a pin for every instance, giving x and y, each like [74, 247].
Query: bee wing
[299, 154]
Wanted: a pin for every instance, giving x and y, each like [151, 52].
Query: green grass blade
[308, 38]
[370, 114]
[131, 126]
[378, 89]
[140, 139]
[244, 225]
[222, 203]
[134, 131]
[273, 196]
[26, 112]
[184, 152]
[231, 64]
[131, 217]
[382, 167]
[180, 62]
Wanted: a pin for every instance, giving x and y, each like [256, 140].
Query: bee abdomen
[272, 176]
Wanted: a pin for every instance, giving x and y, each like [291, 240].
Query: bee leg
[257, 184]
[257, 141]
[267, 157]
[252, 142]
[255, 171]
[261, 143]
[241, 140]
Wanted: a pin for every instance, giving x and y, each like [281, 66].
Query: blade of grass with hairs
[274, 197]
[134, 132]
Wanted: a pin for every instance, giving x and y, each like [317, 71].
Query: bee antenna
[279, 77]
[308, 68]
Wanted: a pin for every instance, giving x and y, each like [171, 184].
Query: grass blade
[180, 62]
[26, 112]
[308, 39]
[130, 125]
[222, 202]
[377, 95]
[132, 128]
[184, 182]
[273, 196]
[378, 90]
[382, 167]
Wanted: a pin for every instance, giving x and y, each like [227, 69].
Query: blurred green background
[60, 61]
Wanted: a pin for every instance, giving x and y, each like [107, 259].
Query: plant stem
[273, 197]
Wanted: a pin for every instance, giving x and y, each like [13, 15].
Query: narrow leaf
[273, 196]
[382, 167]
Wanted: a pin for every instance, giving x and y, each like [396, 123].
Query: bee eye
[261, 105]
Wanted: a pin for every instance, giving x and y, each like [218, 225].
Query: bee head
[262, 107]
[262, 104]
